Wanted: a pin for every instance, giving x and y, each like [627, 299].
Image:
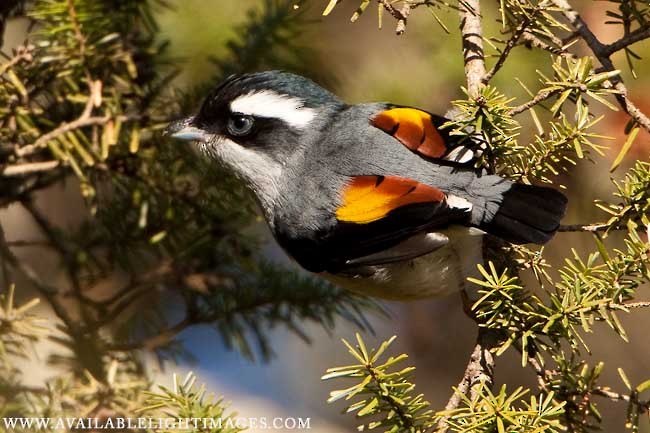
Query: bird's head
[253, 123]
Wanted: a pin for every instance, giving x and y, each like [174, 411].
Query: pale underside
[439, 273]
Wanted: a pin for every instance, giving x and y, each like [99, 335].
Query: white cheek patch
[266, 103]
[259, 171]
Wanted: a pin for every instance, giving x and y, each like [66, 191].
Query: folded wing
[382, 219]
[422, 133]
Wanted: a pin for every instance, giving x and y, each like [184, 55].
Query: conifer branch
[603, 52]
[517, 35]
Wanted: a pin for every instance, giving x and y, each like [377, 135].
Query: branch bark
[479, 372]
[480, 368]
[401, 15]
[603, 52]
[637, 35]
[29, 168]
[472, 39]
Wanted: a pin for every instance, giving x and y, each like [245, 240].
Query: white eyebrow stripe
[266, 103]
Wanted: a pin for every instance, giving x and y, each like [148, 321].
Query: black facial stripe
[267, 131]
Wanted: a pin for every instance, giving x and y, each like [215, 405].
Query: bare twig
[541, 96]
[603, 53]
[594, 228]
[510, 44]
[161, 338]
[401, 15]
[535, 42]
[84, 119]
[639, 304]
[637, 35]
[23, 53]
[29, 168]
[65, 127]
[401, 23]
[80, 122]
[541, 372]
[616, 396]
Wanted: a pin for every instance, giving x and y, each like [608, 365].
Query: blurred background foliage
[130, 241]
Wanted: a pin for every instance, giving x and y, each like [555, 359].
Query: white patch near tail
[458, 202]
[267, 103]
[460, 154]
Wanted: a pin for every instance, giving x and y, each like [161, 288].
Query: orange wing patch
[414, 129]
[370, 198]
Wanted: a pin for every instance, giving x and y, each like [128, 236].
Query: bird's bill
[185, 130]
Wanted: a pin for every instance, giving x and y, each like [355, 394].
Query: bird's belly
[438, 273]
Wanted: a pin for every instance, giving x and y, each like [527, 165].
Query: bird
[377, 198]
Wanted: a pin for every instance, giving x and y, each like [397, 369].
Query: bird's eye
[240, 124]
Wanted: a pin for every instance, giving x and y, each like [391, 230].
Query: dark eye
[240, 124]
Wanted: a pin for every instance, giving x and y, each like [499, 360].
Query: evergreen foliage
[546, 324]
[83, 102]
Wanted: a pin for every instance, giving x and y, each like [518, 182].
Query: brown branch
[535, 42]
[29, 168]
[23, 53]
[401, 23]
[541, 372]
[595, 227]
[617, 396]
[472, 40]
[541, 96]
[512, 43]
[84, 119]
[544, 375]
[160, 339]
[637, 35]
[67, 127]
[27, 244]
[479, 372]
[639, 304]
[602, 53]
[401, 15]
[480, 368]
[62, 129]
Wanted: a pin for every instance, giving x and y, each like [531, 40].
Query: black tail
[527, 214]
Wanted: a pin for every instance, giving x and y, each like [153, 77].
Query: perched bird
[375, 197]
